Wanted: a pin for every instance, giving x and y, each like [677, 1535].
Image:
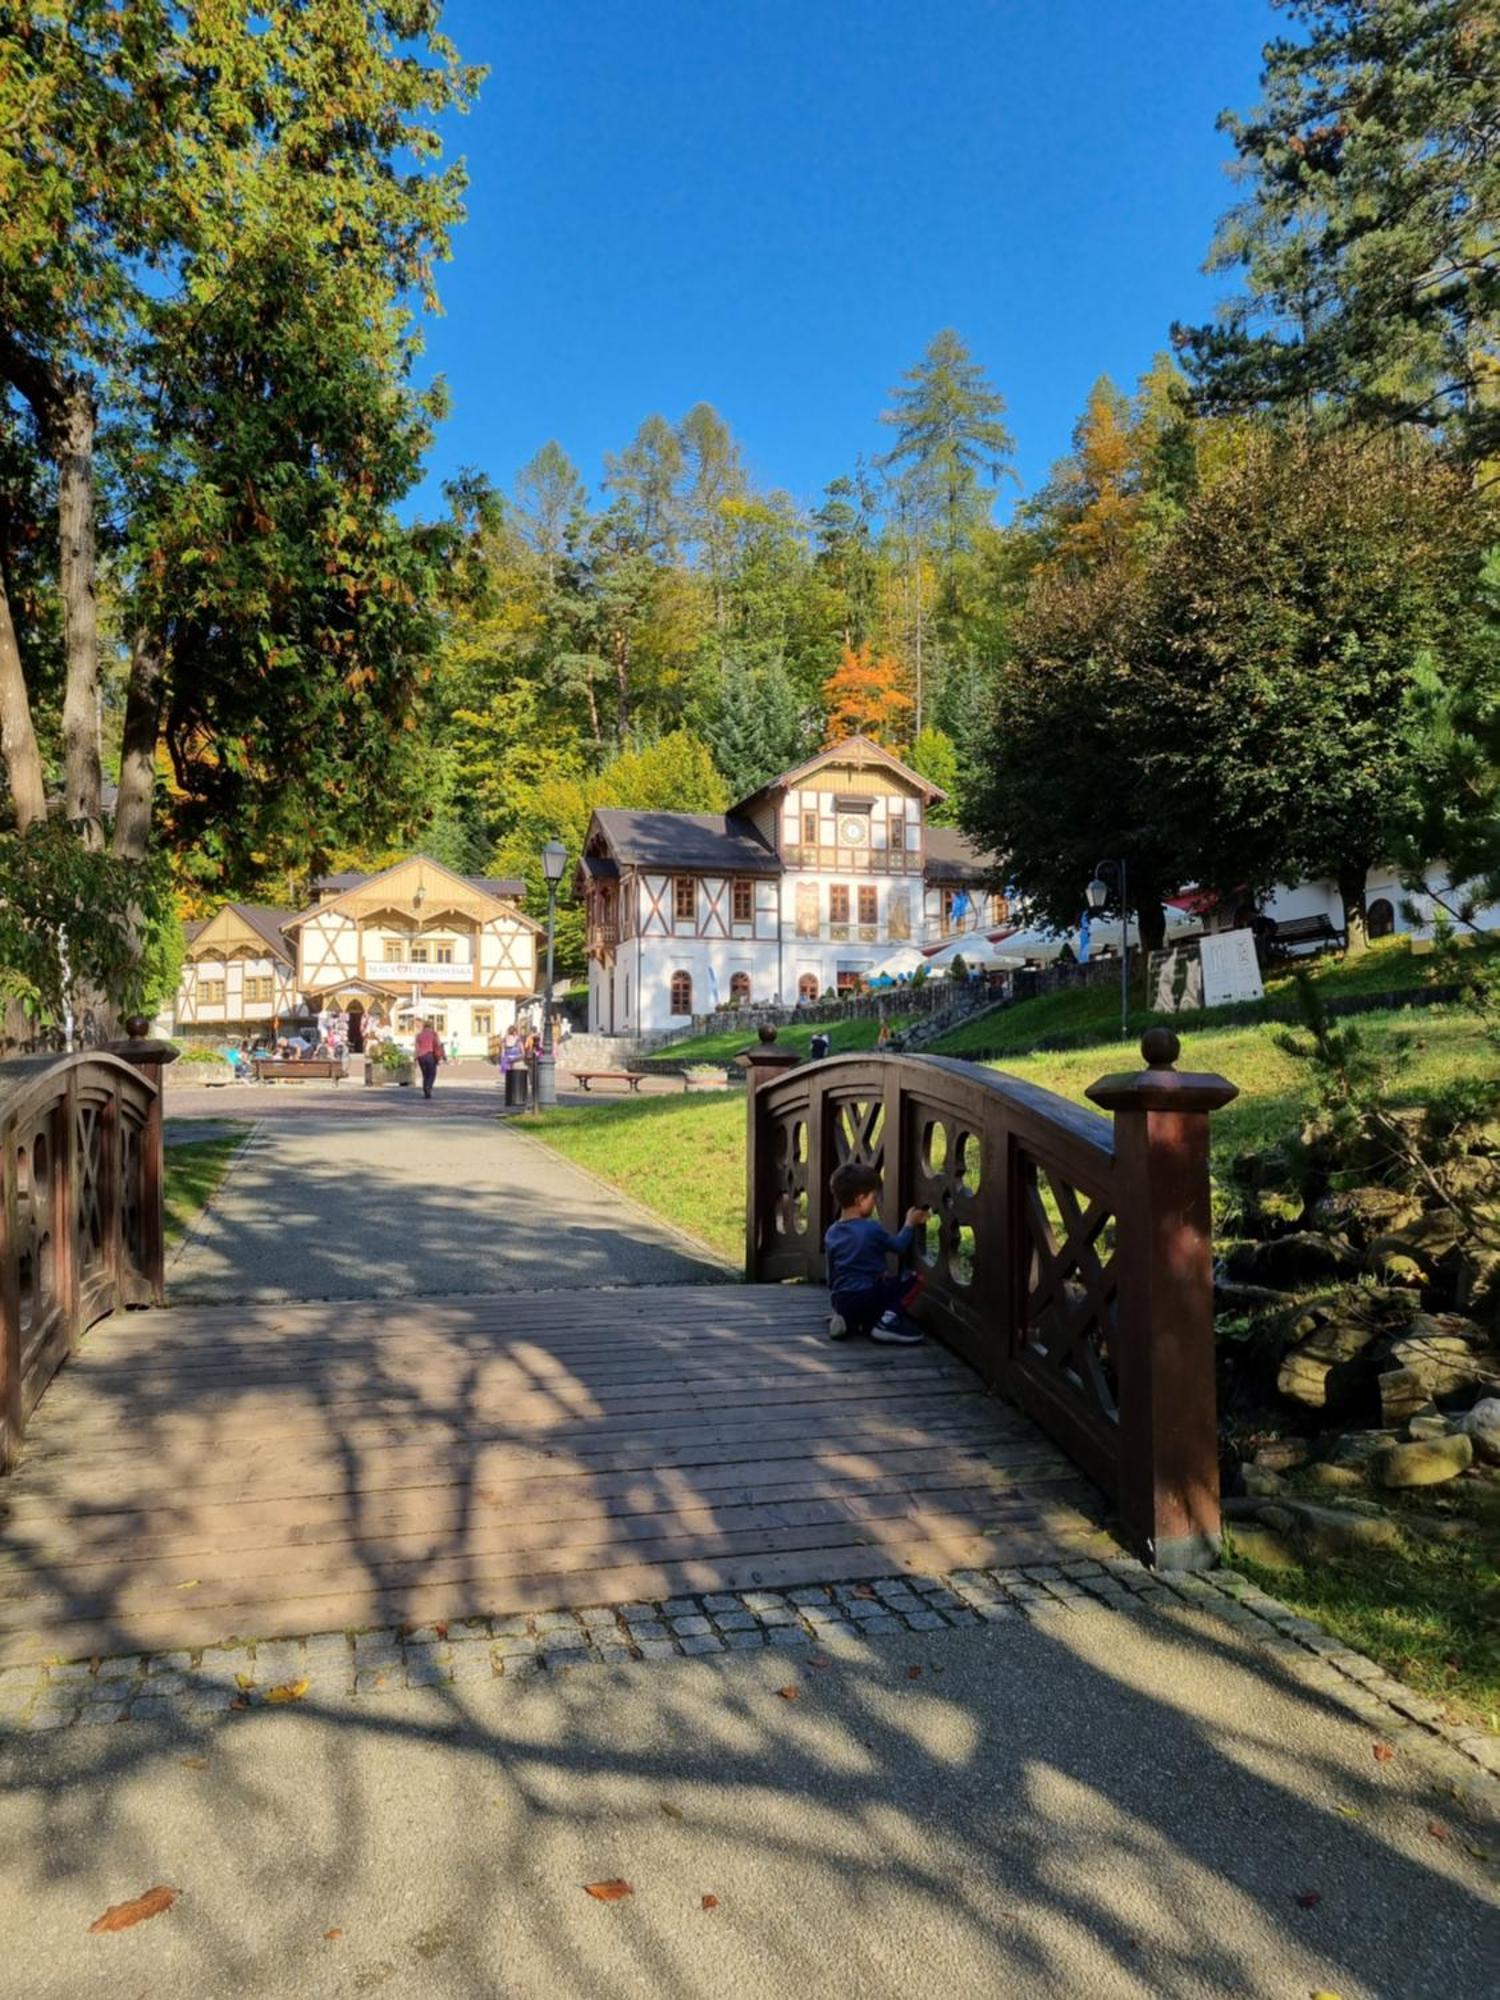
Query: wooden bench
[584, 1078]
[272, 1069]
[1297, 931]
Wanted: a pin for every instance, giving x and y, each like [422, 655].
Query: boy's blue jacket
[856, 1251]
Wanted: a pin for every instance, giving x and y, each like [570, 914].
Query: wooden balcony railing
[1068, 1258]
[80, 1207]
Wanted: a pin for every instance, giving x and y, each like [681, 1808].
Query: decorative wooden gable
[228, 934]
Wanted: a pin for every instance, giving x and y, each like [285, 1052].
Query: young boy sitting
[867, 1297]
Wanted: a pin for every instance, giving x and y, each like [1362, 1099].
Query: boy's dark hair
[854, 1178]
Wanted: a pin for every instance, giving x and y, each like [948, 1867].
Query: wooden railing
[80, 1207]
[1068, 1258]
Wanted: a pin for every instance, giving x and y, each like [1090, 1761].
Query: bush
[391, 1056]
[200, 1052]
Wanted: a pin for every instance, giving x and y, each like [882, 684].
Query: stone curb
[232, 1166]
[338, 1666]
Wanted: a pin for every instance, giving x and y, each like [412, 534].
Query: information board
[1231, 970]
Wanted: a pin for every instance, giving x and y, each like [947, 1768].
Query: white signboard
[1231, 970]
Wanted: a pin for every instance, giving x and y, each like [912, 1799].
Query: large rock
[1332, 1478]
[1481, 1426]
[1364, 1213]
[1447, 1352]
[1282, 1454]
[1260, 1483]
[1321, 1371]
[1403, 1395]
[1330, 1531]
[1292, 1263]
[1432, 1462]
[1359, 1447]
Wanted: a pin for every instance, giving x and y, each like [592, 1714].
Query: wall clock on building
[852, 831]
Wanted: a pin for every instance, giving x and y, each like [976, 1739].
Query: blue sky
[772, 207]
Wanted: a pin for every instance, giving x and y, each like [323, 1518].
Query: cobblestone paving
[340, 1667]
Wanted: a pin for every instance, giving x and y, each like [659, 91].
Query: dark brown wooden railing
[1068, 1258]
[80, 1207]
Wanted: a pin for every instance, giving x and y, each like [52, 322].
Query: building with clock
[800, 890]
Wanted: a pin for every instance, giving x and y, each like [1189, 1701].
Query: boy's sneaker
[838, 1326]
[894, 1331]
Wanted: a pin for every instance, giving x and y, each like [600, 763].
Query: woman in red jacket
[429, 1055]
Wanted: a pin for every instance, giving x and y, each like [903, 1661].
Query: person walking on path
[429, 1051]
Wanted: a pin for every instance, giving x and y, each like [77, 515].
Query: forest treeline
[1246, 628]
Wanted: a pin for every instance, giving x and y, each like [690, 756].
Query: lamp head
[1097, 893]
[554, 860]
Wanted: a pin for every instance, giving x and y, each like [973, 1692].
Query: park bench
[272, 1069]
[584, 1078]
[1295, 932]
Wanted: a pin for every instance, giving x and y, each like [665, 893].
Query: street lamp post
[554, 861]
[1098, 895]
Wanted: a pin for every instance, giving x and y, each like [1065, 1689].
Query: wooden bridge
[195, 1474]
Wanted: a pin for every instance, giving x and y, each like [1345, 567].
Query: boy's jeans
[860, 1310]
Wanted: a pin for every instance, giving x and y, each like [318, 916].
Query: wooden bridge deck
[196, 1474]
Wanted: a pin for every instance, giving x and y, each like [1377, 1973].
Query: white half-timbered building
[799, 890]
[412, 943]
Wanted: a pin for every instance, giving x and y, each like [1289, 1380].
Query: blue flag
[1083, 939]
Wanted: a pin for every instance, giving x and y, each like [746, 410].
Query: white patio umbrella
[902, 962]
[976, 950]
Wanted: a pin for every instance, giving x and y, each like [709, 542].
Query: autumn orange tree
[865, 696]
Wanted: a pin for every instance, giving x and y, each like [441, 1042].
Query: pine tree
[949, 436]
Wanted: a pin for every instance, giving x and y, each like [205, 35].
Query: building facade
[799, 890]
[412, 943]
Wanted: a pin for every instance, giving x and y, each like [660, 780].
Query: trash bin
[515, 1087]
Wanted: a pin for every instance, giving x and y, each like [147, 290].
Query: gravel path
[410, 1198]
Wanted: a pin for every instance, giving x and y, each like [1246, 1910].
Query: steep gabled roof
[952, 857]
[716, 842]
[498, 889]
[265, 922]
[857, 750]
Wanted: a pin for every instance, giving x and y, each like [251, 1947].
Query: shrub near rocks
[1360, 1303]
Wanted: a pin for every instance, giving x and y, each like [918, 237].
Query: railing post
[151, 1059]
[763, 1064]
[1164, 1358]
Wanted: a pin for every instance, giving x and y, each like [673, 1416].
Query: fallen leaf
[1323, 1994]
[120, 1916]
[191, 1584]
[672, 1812]
[239, 1702]
[608, 1892]
[710, 1902]
[1347, 1812]
[441, 1630]
[1436, 1828]
[244, 1682]
[1308, 1899]
[1382, 1753]
[789, 1693]
[193, 1763]
[819, 1660]
[914, 1673]
[1479, 1853]
[288, 1691]
[329, 1936]
[863, 1590]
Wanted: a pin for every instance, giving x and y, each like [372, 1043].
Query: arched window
[807, 987]
[1380, 918]
[739, 989]
[682, 993]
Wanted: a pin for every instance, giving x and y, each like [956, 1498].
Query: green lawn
[1092, 1013]
[846, 1038]
[190, 1175]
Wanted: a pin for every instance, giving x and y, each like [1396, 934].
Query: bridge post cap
[767, 1031]
[1160, 1086]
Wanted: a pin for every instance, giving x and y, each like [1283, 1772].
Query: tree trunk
[1352, 877]
[138, 750]
[23, 761]
[77, 578]
[1150, 918]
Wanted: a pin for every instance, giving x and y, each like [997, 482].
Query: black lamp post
[1098, 895]
[554, 861]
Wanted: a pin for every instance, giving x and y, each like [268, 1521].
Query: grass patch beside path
[191, 1175]
[846, 1038]
[683, 1156]
[1430, 1614]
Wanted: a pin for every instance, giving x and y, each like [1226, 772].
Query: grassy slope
[191, 1174]
[1088, 1013]
[845, 1036]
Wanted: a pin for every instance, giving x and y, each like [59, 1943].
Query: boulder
[1403, 1394]
[1363, 1214]
[1254, 1542]
[1337, 1345]
[1282, 1454]
[1427, 1424]
[1292, 1263]
[1431, 1462]
[1447, 1352]
[1359, 1447]
[1481, 1426]
[1331, 1531]
[1330, 1478]
[1261, 1484]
